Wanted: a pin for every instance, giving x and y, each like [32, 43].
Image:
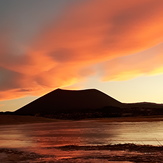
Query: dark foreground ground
[135, 154]
[17, 119]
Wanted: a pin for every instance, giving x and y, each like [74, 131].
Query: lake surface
[42, 138]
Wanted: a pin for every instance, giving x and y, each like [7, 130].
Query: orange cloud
[148, 62]
[92, 32]
[100, 30]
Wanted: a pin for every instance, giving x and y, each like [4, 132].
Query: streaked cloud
[148, 62]
[117, 34]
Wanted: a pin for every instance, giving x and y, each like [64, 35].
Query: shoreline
[130, 119]
[18, 119]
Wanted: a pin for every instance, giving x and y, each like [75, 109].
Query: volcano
[65, 101]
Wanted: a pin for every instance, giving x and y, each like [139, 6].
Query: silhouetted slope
[65, 101]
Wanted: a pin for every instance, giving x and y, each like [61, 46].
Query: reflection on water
[42, 138]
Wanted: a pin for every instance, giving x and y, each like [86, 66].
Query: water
[42, 138]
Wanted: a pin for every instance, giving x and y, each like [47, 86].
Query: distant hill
[67, 101]
[145, 105]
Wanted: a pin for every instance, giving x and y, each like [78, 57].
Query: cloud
[101, 30]
[8, 79]
[113, 33]
[148, 62]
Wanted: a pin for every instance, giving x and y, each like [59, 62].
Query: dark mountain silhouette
[80, 104]
[66, 101]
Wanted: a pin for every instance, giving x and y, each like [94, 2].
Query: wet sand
[142, 153]
[14, 155]
[135, 154]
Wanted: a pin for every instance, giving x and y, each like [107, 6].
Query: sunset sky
[115, 46]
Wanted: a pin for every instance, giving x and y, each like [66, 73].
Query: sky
[115, 46]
